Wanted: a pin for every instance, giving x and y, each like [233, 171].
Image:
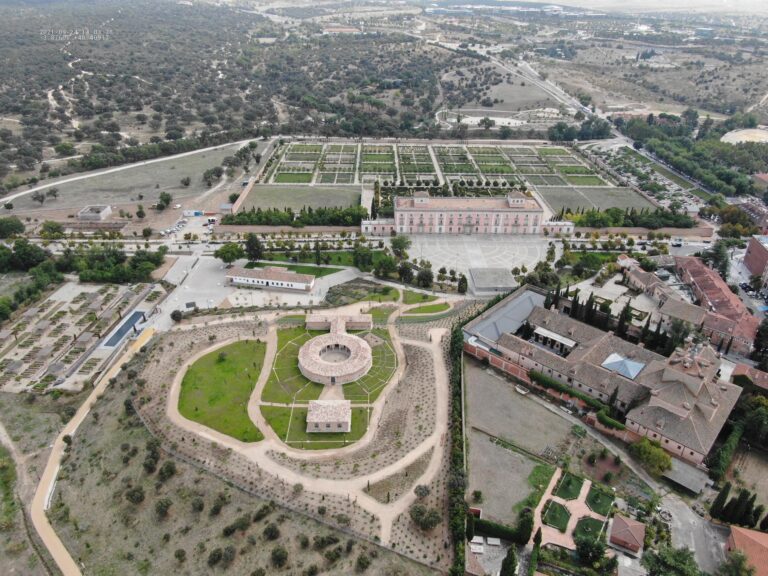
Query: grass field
[340, 257]
[290, 424]
[411, 297]
[569, 486]
[216, 389]
[381, 313]
[429, 309]
[553, 152]
[556, 515]
[599, 500]
[573, 170]
[538, 480]
[588, 528]
[266, 196]
[600, 197]
[368, 388]
[293, 177]
[286, 383]
[317, 271]
[577, 180]
[125, 186]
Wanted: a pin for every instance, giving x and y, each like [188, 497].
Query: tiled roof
[272, 273]
[682, 310]
[322, 411]
[754, 545]
[481, 204]
[564, 325]
[628, 530]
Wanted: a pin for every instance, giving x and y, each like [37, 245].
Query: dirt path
[47, 483]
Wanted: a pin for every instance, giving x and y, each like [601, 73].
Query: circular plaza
[335, 358]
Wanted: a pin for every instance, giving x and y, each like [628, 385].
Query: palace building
[515, 213]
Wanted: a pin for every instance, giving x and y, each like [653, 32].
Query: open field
[215, 390]
[750, 469]
[293, 178]
[586, 197]
[297, 197]
[124, 187]
[290, 424]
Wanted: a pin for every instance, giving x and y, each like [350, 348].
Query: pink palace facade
[515, 213]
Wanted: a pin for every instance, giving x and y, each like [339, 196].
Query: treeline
[740, 509]
[593, 128]
[92, 264]
[307, 216]
[719, 166]
[630, 218]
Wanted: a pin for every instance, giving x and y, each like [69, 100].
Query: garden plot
[266, 196]
[455, 161]
[378, 160]
[415, 163]
[545, 180]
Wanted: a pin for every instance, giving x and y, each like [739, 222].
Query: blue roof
[627, 368]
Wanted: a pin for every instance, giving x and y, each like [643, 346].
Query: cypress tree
[548, 301]
[509, 564]
[470, 526]
[718, 505]
[746, 517]
[646, 331]
[740, 508]
[764, 524]
[728, 510]
[756, 514]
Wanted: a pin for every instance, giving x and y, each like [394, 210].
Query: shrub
[608, 422]
[135, 495]
[724, 455]
[272, 532]
[421, 491]
[425, 518]
[162, 506]
[547, 382]
[215, 556]
[167, 470]
[362, 563]
[279, 557]
[651, 455]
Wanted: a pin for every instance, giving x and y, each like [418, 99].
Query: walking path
[47, 484]
[354, 488]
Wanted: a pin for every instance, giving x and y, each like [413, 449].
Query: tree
[38, 196]
[509, 564]
[590, 550]
[421, 491]
[425, 278]
[718, 505]
[487, 123]
[162, 506]
[400, 245]
[462, 286]
[146, 233]
[135, 495]
[271, 532]
[405, 272]
[186, 181]
[253, 247]
[140, 214]
[164, 200]
[425, 518]
[176, 315]
[655, 459]
[167, 470]
[180, 554]
[230, 252]
[669, 561]
[735, 564]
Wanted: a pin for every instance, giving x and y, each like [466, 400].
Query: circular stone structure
[336, 358]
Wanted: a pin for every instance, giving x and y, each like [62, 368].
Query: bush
[362, 563]
[425, 518]
[547, 382]
[176, 316]
[722, 459]
[279, 557]
[651, 455]
[167, 470]
[520, 534]
[272, 532]
[135, 495]
[608, 422]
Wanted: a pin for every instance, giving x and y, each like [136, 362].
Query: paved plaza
[461, 253]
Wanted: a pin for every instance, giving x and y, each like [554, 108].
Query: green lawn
[411, 297]
[317, 271]
[368, 388]
[577, 180]
[429, 309]
[293, 177]
[573, 170]
[286, 383]
[553, 152]
[599, 500]
[556, 515]
[381, 313]
[215, 392]
[391, 296]
[291, 426]
[569, 486]
[538, 479]
[339, 257]
[588, 528]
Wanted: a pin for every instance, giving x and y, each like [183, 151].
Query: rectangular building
[329, 416]
[756, 257]
[515, 213]
[274, 277]
[94, 213]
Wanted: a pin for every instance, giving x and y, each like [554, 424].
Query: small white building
[94, 213]
[273, 277]
[329, 416]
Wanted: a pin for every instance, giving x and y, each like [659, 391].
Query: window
[327, 425]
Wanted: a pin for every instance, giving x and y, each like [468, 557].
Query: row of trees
[739, 509]
[644, 218]
[307, 216]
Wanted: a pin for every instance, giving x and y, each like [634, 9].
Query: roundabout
[335, 358]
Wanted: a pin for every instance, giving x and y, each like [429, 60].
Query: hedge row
[724, 455]
[457, 507]
[551, 383]
[519, 535]
[608, 422]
